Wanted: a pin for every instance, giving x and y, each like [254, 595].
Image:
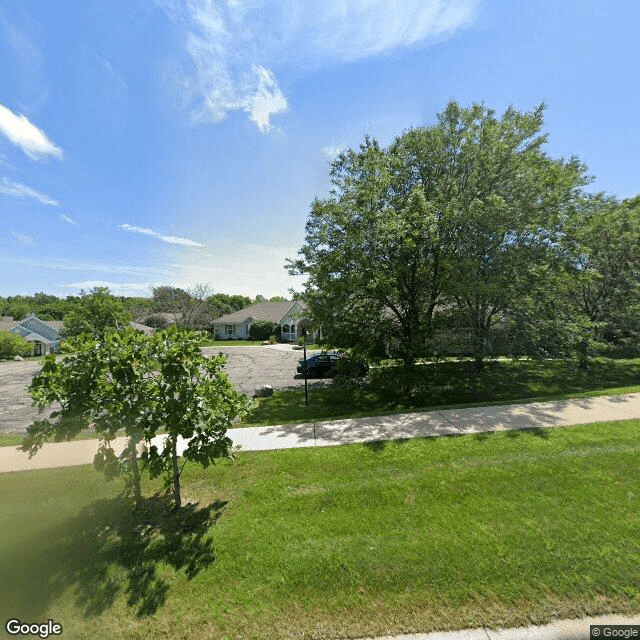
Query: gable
[36, 327]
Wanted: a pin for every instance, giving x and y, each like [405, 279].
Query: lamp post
[304, 347]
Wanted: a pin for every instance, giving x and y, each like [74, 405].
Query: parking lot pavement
[16, 411]
[248, 368]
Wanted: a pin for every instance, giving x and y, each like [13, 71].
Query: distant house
[236, 325]
[44, 335]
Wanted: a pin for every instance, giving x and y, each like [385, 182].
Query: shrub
[263, 330]
[157, 321]
[272, 339]
[12, 345]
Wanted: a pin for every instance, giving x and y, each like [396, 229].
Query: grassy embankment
[493, 529]
[451, 384]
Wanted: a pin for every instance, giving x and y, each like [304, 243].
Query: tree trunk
[583, 355]
[135, 473]
[177, 502]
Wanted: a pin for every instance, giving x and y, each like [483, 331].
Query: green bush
[157, 321]
[263, 329]
[12, 345]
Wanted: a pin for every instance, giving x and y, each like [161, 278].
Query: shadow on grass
[538, 432]
[109, 549]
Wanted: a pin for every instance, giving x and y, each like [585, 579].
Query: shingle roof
[142, 327]
[9, 324]
[270, 311]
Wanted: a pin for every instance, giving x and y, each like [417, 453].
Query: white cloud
[18, 130]
[67, 219]
[17, 190]
[165, 238]
[117, 288]
[235, 267]
[232, 46]
[66, 264]
[331, 151]
[266, 101]
[22, 238]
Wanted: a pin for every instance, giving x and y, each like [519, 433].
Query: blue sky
[181, 142]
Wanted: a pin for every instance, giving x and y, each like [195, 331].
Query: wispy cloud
[267, 100]
[160, 236]
[22, 238]
[331, 151]
[67, 219]
[86, 266]
[233, 46]
[17, 190]
[238, 267]
[117, 288]
[24, 134]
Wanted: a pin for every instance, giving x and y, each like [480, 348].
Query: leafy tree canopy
[95, 314]
[142, 386]
[459, 214]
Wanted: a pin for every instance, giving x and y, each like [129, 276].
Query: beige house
[288, 315]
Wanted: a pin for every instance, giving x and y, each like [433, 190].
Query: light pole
[304, 347]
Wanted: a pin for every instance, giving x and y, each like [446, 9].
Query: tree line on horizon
[194, 308]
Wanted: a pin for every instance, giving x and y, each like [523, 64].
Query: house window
[285, 328]
[230, 329]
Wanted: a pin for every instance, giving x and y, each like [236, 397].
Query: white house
[43, 334]
[236, 325]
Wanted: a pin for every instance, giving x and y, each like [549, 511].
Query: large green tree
[604, 235]
[95, 313]
[460, 214]
[141, 386]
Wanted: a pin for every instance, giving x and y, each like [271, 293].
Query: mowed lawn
[506, 528]
[450, 384]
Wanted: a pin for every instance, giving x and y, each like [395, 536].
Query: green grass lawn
[494, 529]
[451, 384]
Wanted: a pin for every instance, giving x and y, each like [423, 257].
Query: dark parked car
[327, 364]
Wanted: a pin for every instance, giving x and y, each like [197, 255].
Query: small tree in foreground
[142, 385]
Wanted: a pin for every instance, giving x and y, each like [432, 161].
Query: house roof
[142, 327]
[26, 328]
[36, 337]
[269, 311]
[5, 324]
[32, 328]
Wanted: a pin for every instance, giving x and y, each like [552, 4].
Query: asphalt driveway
[248, 367]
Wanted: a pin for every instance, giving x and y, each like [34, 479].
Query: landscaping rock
[18, 358]
[263, 391]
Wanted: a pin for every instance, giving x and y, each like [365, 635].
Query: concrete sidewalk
[558, 630]
[410, 425]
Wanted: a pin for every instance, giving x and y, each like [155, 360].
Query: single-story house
[236, 325]
[43, 334]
